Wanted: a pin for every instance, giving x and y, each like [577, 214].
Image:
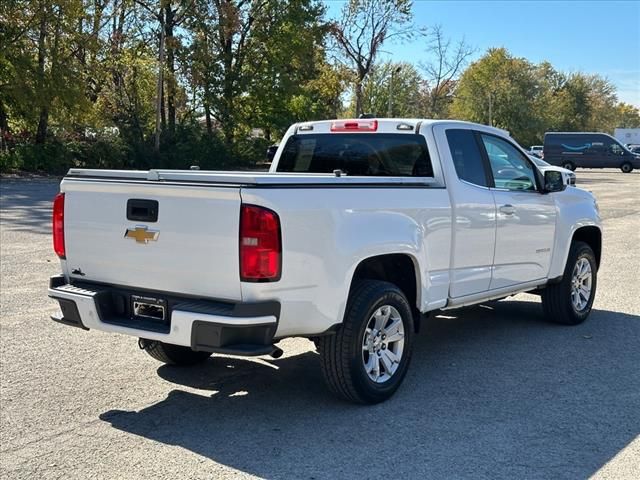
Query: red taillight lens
[58, 225]
[354, 126]
[260, 244]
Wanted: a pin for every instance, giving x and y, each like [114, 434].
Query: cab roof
[382, 125]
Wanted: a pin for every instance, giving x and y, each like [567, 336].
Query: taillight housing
[58, 225]
[354, 125]
[260, 244]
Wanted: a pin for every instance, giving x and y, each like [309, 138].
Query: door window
[616, 149]
[466, 156]
[509, 167]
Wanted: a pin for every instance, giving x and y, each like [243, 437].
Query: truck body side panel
[327, 232]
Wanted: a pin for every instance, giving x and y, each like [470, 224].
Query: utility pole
[491, 109]
[390, 105]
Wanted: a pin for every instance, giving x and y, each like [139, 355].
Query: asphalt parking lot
[493, 391]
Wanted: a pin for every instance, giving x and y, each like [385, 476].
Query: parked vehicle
[588, 150]
[568, 175]
[536, 150]
[360, 229]
[634, 148]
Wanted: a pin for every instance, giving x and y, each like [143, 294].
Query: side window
[509, 167]
[616, 149]
[466, 156]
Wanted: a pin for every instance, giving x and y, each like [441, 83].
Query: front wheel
[626, 167]
[367, 358]
[569, 166]
[569, 302]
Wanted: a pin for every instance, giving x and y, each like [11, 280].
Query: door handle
[508, 209]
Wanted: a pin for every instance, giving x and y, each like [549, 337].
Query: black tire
[341, 355]
[626, 167]
[556, 299]
[173, 354]
[569, 166]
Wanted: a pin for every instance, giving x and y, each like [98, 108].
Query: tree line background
[173, 83]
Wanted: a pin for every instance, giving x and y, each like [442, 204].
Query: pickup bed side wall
[327, 232]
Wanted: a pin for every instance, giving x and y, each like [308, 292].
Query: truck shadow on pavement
[493, 392]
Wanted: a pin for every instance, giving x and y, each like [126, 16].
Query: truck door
[526, 218]
[473, 210]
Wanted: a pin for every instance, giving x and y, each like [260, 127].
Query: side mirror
[553, 181]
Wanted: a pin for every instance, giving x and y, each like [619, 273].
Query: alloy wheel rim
[383, 344]
[581, 281]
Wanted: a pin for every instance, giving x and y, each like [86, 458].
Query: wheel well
[398, 269]
[592, 237]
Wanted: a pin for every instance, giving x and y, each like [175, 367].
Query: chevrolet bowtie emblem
[142, 234]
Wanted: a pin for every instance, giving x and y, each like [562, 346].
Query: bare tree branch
[363, 28]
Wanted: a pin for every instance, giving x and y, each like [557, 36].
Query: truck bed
[232, 178]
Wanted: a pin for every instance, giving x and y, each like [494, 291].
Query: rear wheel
[569, 166]
[367, 358]
[626, 167]
[569, 302]
[172, 354]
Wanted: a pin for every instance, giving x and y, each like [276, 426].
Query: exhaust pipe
[276, 352]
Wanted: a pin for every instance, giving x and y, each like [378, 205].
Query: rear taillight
[58, 225]
[260, 244]
[354, 126]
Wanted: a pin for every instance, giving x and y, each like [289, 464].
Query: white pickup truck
[360, 229]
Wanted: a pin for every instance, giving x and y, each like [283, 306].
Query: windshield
[360, 154]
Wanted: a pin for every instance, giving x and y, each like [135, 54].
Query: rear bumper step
[246, 329]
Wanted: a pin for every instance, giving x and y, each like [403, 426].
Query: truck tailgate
[191, 248]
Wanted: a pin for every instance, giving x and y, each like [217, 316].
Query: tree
[248, 55]
[442, 71]
[288, 54]
[169, 15]
[362, 30]
[500, 90]
[404, 89]
[321, 97]
[627, 116]
[579, 102]
[39, 63]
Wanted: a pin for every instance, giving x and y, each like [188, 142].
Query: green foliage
[500, 90]
[628, 116]
[83, 82]
[529, 100]
[57, 156]
[194, 146]
[402, 80]
[287, 59]
[320, 97]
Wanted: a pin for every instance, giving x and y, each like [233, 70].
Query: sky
[593, 36]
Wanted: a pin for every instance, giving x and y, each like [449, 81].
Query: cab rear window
[359, 154]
